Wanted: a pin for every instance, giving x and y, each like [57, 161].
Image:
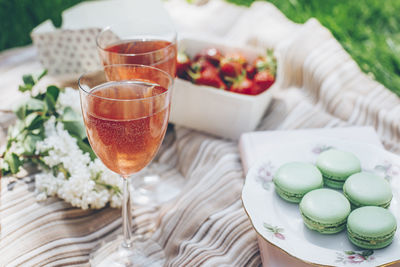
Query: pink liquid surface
[157, 53]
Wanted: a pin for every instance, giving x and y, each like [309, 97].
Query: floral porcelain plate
[279, 222]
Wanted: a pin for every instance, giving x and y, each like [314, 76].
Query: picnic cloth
[206, 224]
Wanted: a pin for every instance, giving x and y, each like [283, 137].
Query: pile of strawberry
[229, 72]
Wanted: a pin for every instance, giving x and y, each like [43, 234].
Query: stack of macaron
[361, 207]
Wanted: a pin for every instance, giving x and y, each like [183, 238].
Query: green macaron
[336, 166]
[371, 227]
[293, 180]
[367, 189]
[325, 210]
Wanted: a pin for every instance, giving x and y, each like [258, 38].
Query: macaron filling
[323, 228]
[291, 197]
[355, 205]
[370, 242]
[333, 181]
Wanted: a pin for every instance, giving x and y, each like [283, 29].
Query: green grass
[369, 30]
[19, 17]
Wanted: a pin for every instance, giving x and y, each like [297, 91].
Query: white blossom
[69, 97]
[71, 175]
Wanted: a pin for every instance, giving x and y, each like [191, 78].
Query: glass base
[140, 253]
[156, 184]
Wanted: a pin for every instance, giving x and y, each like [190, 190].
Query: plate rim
[320, 140]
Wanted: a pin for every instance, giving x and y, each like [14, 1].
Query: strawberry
[243, 85]
[206, 74]
[267, 62]
[236, 57]
[212, 55]
[182, 65]
[230, 68]
[263, 80]
[250, 71]
[201, 64]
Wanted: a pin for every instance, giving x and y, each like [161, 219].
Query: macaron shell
[298, 177]
[371, 221]
[367, 189]
[325, 206]
[338, 164]
[325, 210]
[371, 227]
[293, 180]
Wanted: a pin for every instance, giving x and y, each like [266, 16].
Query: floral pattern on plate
[265, 174]
[387, 169]
[355, 257]
[275, 230]
[319, 148]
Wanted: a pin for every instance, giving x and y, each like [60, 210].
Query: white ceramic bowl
[282, 236]
[213, 110]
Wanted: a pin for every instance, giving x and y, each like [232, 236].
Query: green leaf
[4, 172]
[268, 226]
[13, 162]
[54, 91]
[28, 80]
[33, 121]
[24, 88]
[40, 96]
[70, 115]
[51, 98]
[30, 144]
[367, 253]
[50, 103]
[349, 252]
[34, 105]
[85, 147]
[21, 112]
[42, 75]
[15, 130]
[73, 123]
[75, 128]
[60, 168]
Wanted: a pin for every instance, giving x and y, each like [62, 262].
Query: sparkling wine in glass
[148, 42]
[125, 110]
[139, 42]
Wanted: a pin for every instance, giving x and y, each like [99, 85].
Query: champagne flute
[148, 42]
[126, 110]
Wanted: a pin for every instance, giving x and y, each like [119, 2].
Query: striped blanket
[320, 86]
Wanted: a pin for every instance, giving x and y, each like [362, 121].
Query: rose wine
[126, 123]
[157, 53]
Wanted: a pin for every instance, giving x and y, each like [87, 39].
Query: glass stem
[127, 214]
